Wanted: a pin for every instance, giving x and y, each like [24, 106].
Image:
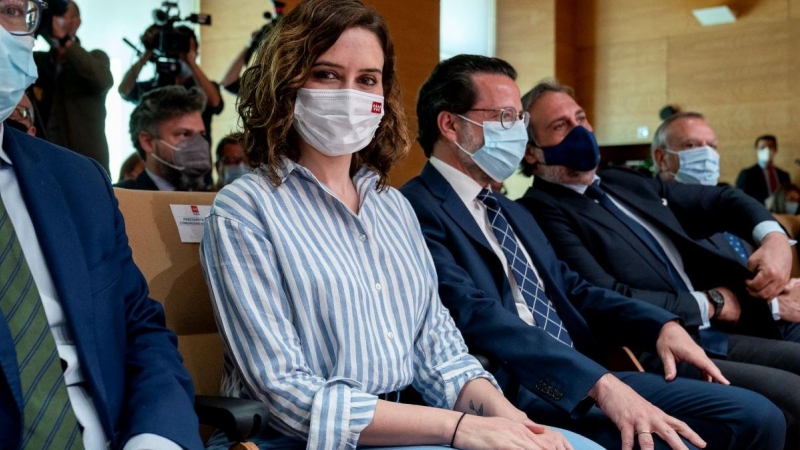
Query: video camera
[168, 42]
[262, 33]
[55, 8]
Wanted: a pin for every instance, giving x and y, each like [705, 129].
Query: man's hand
[674, 345]
[731, 310]
[789, 301]
[637, 418]
[772, 264]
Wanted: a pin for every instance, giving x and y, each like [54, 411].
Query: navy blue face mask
[578, 151]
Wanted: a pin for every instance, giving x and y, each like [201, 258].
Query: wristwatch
[716, 298]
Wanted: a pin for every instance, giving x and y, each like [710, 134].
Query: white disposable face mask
[698, 166]
[337, 122]
[17, 70]
[763, 156]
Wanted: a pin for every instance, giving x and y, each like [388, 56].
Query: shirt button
[363, 237]
[378, 286]
[390, 335]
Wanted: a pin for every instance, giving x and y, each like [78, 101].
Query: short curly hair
[160, 105]
[282, 65]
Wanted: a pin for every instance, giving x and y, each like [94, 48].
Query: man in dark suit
[85, 358]
[763, 179]
[648, 238]
[517, 304]
[167, 130]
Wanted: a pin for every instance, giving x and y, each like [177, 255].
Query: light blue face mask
[791, 207]
[698, 166]
[17, 70]
[502, 148]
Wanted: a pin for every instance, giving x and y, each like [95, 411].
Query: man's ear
[530, 153]
[449, 126]
[658, 157]
[32, 131]
[147, 142]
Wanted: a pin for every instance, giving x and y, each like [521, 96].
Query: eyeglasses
[23, 113]
[508, 116]
[21, 17]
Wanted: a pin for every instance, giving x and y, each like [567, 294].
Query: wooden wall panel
[618, 101]
[566, 69]
[526, 38]
[614, 21]
[794, 9]
[414, 25]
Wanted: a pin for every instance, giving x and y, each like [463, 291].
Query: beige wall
[415, 29]
[635, 56]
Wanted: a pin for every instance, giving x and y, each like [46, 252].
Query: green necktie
[49, 422]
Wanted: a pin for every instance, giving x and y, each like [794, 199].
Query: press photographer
[232, 79]
[174, 51]
[70, 93]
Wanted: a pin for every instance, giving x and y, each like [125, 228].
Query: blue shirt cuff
[702, 303]
[764, 228]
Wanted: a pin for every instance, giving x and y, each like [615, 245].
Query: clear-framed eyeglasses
[21, 17]
[508, 116]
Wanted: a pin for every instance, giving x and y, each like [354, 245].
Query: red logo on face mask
[376, 107]
[195, 210]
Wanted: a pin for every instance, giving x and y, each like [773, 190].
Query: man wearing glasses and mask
[516, 304]
[85, 358]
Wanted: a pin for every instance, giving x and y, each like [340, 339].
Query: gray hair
[660, 137]
[160, 105]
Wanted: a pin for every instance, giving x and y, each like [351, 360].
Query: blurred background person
[189, 75]
[231, 162]
[785, 200]
[167, 130]
[763, 179]
[71, 90]
[131, 168]
[232, 79]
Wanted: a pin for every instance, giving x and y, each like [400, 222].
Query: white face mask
[763, 156]
[698, 166]
[337, 122]
[17, 70]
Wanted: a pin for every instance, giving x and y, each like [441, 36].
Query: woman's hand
[475, 432]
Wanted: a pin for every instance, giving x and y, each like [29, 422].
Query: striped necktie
[48, 419]
[542, 308]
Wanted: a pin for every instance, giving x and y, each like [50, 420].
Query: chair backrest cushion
[175, 278]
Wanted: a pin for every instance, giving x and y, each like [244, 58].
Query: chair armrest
[488, 365]
[622, 359]
[238, 418]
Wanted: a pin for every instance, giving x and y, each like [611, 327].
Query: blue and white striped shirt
[322, 309]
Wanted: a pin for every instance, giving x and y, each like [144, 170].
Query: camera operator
[190, 75]
[71, 90]
[232, 79]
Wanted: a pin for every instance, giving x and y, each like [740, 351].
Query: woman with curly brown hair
[323, 286]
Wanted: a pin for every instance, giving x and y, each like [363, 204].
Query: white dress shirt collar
[464, 185]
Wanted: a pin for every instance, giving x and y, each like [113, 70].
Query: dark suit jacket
[130, 360]
[474, 287]
[72, 100]
[143, 182]
[753, 182]
[605, 252]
